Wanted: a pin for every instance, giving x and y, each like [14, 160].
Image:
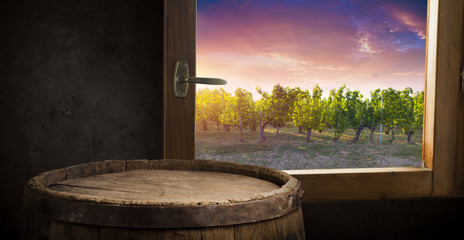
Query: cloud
[308, 42]
[407, 73]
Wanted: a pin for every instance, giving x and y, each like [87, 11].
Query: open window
[442, 173]
[311, 84]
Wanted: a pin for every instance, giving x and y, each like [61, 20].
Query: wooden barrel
[163, 199]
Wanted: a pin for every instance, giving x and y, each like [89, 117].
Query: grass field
[290, 150]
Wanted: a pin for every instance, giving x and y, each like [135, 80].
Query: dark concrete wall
[80, 81]
[427, 218]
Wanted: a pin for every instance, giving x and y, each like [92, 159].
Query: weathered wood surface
[367, 183]
[460, 131]
[179, 113]
[430, 84]
[448, 95]
[289, 226]
[168, 186]
[193, 199]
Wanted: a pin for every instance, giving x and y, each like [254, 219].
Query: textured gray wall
[80, 81]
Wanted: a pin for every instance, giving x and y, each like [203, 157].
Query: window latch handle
[210, 81]
[462, 79]
[182, 79]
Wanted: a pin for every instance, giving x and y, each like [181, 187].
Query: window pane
[311, 84]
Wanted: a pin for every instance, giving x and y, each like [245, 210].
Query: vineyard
[290, 128]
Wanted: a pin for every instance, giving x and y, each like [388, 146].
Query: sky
[364, 44]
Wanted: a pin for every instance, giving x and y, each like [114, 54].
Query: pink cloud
[314, 44]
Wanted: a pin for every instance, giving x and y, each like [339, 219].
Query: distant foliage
[210, 105]
[342, 109]
[337, 112]
[239, 111]
[308, 110]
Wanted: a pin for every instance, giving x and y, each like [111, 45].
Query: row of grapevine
[309, 111]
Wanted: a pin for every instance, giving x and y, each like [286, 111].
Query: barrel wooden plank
[212, 233]
[77, 232]
[54, 230]
[31, 228]
[39, 227]
[262, 231]
[193, 234]
[112, 233]
[292, 227]
[288, 227]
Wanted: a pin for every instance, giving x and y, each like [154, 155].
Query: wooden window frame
[443, 138]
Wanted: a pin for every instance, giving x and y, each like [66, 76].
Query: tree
[324, 111]
[373, 112]
[307, 111]
[254, 117]
[293, 95]
[200, 108]
[238, 110]
[419, 109]
[410, 115]
[223, 96]
[405, 118]
[273, 109]
[336, 112]
[262, 106]
[229, 116]
[279, 107]
[355, 111]
[391, 109]
[209, 106]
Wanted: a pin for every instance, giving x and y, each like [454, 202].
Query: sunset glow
[365, 44]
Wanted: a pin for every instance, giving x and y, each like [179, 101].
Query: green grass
[290, 150]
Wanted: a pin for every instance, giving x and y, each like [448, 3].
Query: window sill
[364, 183]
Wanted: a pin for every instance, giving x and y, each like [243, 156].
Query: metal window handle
[211, 81]
[182, 79]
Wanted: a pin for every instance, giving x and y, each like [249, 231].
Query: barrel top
[167, 187]
[163, 193]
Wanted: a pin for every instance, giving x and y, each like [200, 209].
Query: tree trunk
[241, 135]
[387, 129]
[372, 134]
[308, 134]
[253, 127]
[277, 133]
[262, 137]
[300, 130]
[205, 125]
[410, 137]
[240, 126]
[358, 132]
[335, 134]
[393, 136]
[218, 126]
